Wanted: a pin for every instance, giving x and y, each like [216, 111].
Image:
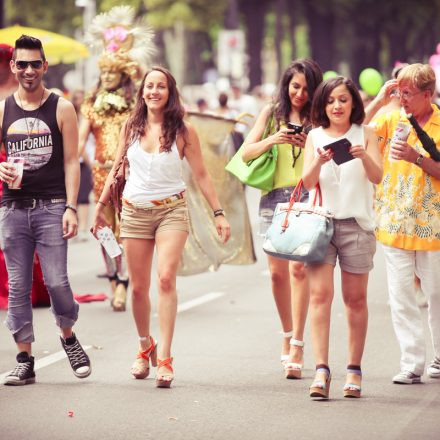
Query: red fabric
[89, 297]
[3, 284]
[39, 294]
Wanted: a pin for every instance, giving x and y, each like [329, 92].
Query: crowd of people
[388, 192]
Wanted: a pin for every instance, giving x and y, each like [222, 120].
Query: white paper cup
[401, 133]
[18, 163]
[107, 239]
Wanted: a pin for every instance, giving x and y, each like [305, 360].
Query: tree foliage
[196, 15]
[354, 33]
[57, 16]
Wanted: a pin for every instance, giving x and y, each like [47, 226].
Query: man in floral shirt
[408, 222]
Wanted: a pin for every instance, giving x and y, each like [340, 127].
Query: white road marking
[211, 296]
[55, 357]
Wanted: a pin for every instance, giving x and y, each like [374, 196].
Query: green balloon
[329, 74]
[371, 81]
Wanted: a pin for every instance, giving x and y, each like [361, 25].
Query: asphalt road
[229, 383]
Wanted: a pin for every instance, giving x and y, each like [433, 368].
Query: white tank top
[153, 176]
[346, 190]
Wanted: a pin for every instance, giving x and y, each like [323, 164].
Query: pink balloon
[434, 60]
[438, 48]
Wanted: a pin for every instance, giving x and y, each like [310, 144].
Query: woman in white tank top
[347, 189]
[154, 212]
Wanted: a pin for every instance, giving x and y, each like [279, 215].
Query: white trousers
[405, 313]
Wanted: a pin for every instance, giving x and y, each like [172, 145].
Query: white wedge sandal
[293, 370]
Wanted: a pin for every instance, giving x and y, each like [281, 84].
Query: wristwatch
[419, 160]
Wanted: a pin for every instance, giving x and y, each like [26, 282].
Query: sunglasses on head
[35, 64]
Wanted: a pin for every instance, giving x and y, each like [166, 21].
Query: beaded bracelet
[219, 212]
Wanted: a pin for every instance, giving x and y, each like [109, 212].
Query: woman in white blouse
[347, 191]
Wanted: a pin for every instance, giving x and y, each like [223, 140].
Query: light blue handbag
[300, 231]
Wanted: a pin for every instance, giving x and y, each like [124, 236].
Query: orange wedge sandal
[163, 380]
[141, 366]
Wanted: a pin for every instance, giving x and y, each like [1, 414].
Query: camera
[294, 128]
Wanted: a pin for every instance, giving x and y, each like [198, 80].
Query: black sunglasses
[35, 64]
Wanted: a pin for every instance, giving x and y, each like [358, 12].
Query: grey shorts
[269, 201]
[354, 247]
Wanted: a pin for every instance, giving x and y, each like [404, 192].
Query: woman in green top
[289, 281]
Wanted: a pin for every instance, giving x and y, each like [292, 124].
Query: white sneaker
[433, 369]
[406, 378]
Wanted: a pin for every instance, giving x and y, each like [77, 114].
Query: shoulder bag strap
[269, 124]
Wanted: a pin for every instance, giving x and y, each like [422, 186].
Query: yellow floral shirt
[408, 199]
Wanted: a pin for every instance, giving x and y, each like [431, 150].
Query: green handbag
[258, 172]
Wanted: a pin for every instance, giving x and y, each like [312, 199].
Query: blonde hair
[420, 75]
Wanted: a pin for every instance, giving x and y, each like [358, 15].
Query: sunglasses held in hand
[35, 64]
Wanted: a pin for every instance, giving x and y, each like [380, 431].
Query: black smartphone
[340, 150]
[294, 128]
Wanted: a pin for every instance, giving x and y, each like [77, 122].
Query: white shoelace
[435, 363]
[22, 367]
[76, 354]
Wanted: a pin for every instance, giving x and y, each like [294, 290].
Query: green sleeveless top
[285, 173]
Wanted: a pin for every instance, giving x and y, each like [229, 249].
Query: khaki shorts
[146, 222]
[354, 247]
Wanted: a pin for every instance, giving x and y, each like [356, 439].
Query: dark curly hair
[313, 74]
[319, 115]
[173, 123]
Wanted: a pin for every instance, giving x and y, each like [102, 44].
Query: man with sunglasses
[408, 219]
[39, 132]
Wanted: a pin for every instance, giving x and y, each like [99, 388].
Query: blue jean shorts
[269, 202]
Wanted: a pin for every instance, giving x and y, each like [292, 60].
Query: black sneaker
[79, 361]
[23, 373]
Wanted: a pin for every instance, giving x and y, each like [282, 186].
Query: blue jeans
[22, 232]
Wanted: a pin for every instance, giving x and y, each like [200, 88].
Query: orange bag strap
[296, 197]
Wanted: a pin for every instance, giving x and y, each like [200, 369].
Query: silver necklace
[31, 124]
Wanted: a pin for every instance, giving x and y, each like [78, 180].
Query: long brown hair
[312, 72]
[174, 113]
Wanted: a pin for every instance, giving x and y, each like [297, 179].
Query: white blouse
[153, 176]
[346, 190]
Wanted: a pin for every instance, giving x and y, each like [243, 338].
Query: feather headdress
[127, 44]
